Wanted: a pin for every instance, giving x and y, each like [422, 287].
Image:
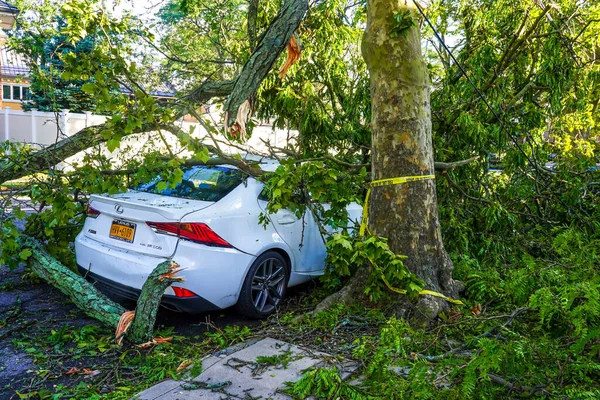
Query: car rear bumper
[119, 291]
[214, 274]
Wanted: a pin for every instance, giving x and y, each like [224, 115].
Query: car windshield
[206, 183]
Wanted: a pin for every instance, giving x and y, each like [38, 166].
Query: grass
[84, 362]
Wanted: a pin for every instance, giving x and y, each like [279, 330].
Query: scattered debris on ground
[47, 345]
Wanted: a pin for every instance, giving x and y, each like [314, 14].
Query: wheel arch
[286, 257]
[283, 250]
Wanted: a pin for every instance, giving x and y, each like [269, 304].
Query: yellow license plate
[122, 230]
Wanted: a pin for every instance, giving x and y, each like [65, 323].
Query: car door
[302, 236]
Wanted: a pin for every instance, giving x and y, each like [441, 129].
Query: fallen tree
[237, 91]
[91, 301]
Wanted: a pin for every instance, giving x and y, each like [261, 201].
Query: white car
[209, 225]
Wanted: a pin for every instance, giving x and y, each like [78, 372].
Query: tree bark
[142, 326]
[95, 304]
[407, 214]
[252, 15]
[268, 49]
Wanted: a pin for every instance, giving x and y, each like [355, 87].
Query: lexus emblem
[119, 209]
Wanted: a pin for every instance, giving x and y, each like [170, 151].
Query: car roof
[264, 163]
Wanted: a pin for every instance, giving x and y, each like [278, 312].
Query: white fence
[43, 128]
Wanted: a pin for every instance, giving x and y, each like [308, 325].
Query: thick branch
[95, 304]
[209, 90]
[85, 296]
[273, 42]
[142, 326]
[252, 14]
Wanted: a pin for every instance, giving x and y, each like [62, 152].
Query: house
[8, 14]
[14, 72]
[14, 76]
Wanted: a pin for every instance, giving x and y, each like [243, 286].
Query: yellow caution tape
[404, 291]
[364, 223]
[386, 182]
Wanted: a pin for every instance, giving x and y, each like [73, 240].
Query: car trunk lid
[123, 217]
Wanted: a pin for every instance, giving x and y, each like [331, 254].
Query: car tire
[264, 286]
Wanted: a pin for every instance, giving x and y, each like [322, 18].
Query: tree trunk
[95, 304]
[407, 214]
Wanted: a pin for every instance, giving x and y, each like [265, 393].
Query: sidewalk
[250, 370]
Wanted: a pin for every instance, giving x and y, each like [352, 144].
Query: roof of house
[154, 88]
[8, 8]
[12, 63]
[161, 90]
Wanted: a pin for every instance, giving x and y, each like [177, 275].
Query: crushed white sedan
[209, 225]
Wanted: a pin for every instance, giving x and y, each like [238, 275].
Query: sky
[144, 9]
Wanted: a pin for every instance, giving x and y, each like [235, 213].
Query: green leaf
[113, 144]
[25, 254]
[88, 88]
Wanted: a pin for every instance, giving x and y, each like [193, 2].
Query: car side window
[264, 195]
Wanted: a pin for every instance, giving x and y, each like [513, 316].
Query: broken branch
[270, 46]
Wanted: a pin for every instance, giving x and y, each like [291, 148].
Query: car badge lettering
[119, 209]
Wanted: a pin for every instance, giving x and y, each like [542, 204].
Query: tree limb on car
[248, 168]
[273, 42]
[95, 304]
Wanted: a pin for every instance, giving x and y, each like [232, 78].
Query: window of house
[15, 92]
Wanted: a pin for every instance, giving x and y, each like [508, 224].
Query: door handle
[288, 219]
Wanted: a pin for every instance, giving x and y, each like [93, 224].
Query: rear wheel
[264, 286]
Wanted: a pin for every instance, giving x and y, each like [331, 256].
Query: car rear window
[206, 183]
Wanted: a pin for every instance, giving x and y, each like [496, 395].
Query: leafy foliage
[521, 223]
[345, 254]
[125, 371]
[322, 383]
[50, 90]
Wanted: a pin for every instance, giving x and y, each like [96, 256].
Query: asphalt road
[29, 309]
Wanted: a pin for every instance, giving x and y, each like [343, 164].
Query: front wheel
[264, 286]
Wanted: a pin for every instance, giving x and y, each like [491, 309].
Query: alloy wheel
[268, 285]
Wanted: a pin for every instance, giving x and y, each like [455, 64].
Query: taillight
[92, 212]
[164, 227]
[195, 231]
[181, 292]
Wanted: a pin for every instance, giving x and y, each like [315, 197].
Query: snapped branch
[268, 49]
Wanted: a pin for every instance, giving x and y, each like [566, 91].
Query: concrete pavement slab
[252, 371]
